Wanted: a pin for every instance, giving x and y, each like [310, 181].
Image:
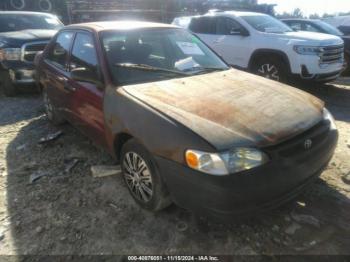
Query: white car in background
[266, 46]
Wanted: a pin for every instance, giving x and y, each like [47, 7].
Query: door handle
[69, 88]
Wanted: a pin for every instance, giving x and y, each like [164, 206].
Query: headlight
[328, 116]
[10, 54]
[308, 50]
[233, 161]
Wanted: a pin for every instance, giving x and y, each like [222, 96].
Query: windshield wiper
[208, 69]
[145, 67]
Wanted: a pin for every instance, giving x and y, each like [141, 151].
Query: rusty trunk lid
[233, 108]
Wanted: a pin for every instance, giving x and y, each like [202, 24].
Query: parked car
[341, 22]
[318, 26]
[266, 46]
[184, 126]
[22, 35]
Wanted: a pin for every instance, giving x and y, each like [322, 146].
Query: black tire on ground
[51, 112]
[347, 70]
[8, 87]
[149, 177]
[272, 68]
[44, 5]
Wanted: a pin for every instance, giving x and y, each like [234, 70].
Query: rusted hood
[233, 108]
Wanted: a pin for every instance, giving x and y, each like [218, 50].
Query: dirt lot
[74, 213]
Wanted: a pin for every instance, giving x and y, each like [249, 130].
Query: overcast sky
[311, 6]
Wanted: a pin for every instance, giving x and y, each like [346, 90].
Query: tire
[44, 5]
[9, 88]
[17, 4]
[51, 112]
[271, 68]
[146, 185]
[347, 70]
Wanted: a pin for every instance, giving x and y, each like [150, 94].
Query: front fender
[161, 135]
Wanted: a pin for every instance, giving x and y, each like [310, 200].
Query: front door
[231, 42]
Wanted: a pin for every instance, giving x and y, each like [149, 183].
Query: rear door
[55, 74]
[86, 97]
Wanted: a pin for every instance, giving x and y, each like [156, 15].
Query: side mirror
[83, 74]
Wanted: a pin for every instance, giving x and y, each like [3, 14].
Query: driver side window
[84, 53]
[227, 26]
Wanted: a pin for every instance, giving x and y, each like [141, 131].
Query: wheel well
[119, 142]
[270, 54]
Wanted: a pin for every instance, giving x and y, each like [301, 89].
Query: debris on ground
[103, 171]
[181, 226]
[346, 179]
[70, 164]
[306, 246]
[36, 176]
[290, 230]
[275, 228]
[301, 204]
[306, 219]
[50, 137]
[21, 147]
[39, 229]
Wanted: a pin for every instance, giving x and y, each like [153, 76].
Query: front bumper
[20, 72]
[223, 197]
[311, 68]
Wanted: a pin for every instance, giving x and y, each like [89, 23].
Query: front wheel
[347, 70]
[142, 177]
[271, 68]
[9, 88]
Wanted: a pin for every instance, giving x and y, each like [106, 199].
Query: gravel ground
[75, 213]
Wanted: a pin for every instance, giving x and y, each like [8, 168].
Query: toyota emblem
[308, 144]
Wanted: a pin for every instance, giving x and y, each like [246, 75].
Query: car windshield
[329, 28]
[18, 22]
[266, 23]
[147, 55]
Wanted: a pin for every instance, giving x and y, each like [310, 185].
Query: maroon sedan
[184, 126]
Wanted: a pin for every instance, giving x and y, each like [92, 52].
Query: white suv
[264, 45]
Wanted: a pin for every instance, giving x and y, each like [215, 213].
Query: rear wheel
[271, 68]
[142, 177]
[51, 111]
[9, 88]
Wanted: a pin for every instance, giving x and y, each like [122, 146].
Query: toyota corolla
[184, 126]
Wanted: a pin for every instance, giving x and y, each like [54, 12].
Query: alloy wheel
[138, 177]
[269, 71]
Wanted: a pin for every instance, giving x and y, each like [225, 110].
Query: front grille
[332, 54]
[296, 145]
[29, 50]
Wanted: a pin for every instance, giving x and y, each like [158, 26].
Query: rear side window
[203, 25]
[84, 53]
[59, 53]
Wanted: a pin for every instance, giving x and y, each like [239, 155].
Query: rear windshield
[16, 22]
